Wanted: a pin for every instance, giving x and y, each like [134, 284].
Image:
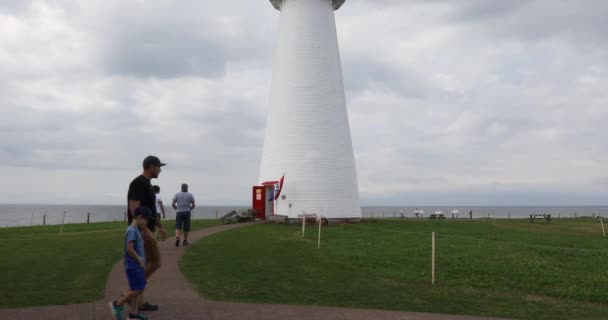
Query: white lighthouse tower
[307, 131]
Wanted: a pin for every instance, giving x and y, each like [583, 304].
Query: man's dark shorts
[137, 279]
[182, 221]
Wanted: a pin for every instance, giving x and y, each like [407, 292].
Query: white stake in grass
[603, 231]
[303, 223]
[433, 259]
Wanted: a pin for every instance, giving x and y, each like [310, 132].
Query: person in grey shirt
[183, 203]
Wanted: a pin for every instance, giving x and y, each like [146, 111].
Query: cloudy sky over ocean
[468, 102]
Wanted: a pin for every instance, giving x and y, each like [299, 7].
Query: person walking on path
[135, 262]
[183, 203]
[160, 207]
[141, 194]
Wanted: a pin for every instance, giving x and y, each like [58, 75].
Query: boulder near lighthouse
[307, 135]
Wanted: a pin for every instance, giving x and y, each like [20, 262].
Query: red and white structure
[307, 130]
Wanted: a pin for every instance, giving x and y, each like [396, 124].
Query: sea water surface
[35, 214]
[12, 215]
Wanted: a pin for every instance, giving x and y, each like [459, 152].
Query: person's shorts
[182, 221]
[137, 279]
[151, 249]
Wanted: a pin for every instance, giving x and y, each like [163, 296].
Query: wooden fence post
[62, 222]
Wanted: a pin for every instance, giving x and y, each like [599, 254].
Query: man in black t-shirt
[141, 190]
[141, 194]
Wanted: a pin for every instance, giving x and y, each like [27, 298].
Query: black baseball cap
[152, 161]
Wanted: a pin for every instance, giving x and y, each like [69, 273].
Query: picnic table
[545, 216]
[437, 216]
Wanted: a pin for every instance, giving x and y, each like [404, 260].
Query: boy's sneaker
[177, 242]
[116, 311]
[138, 316]
[146, 306]
[186, 242]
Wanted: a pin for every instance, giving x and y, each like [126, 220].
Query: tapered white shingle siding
[307, 130]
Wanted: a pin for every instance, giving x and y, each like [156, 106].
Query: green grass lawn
[41, 266]
[508, 269]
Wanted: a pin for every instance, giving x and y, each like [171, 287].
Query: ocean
[12, 215]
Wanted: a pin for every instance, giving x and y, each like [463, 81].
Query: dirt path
[179, 301]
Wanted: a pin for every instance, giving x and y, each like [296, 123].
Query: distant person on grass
[183, 203]
[141, 194]
[135, 262]
[160, 207]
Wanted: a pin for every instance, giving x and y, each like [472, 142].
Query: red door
[259, 202]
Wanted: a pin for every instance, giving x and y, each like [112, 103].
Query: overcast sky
[468, 102]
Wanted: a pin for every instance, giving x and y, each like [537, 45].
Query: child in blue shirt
[135, 262]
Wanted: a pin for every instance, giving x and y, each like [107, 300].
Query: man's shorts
[137, 279]
[151, 249]
[182, 220]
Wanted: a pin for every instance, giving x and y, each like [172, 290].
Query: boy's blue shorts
[137, 279]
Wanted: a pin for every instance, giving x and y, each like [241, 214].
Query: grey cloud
[527, 20]
[62, 139]
[14, 7]
[165, 51]
[474, 10]
[195, 39]
[360, 74]
[582, 22]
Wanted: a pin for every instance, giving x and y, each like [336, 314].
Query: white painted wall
[308, 134]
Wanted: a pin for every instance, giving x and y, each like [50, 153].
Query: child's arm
[133, 254]
[161, 229]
